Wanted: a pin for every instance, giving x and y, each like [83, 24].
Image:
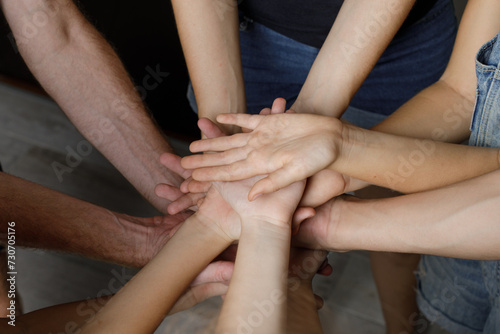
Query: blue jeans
[277, 66]
[463, 296]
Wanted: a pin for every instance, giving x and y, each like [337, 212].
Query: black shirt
[309, 21]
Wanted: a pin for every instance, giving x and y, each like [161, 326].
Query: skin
[83, 74]
[224, 216]
[423, 223]
[294, 151]
[214, 60]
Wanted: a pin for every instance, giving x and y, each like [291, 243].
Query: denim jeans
[277, 66]
[463, 296]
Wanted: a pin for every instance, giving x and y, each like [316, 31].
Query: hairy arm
[50, 220]
[210, 39]
[444, 110]
[83, 74]
[349, 54]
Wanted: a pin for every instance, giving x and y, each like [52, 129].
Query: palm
[275, 207]
[217, 213]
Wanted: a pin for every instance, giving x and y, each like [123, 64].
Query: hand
[190, 192]
[211, 282]
[288, 147]
[320, 231]
[147, 235]
[275, 208]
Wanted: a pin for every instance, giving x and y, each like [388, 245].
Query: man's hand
[190, 192]
[288, 147]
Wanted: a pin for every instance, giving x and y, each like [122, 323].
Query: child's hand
[288, 147]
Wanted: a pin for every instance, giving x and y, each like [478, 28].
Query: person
[262, 226]
[443, 112]
[83, 74]
[357, 59]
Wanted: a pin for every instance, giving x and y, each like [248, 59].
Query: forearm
[50, 220]
[55, 319]
[80, 70]
[457, 221]
[439, 112]
[302, 312]
[259, 280]
[408, 164]
[210, 39]
[143, 303]
[443, 111]
[349, 54]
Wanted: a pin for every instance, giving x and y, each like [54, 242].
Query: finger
[183, 203]
[198, 187]
[184, 187]
[219, 144]
[173, 162]
[215, 159]
[198, 294]
[327, 270]
[168, 192]
[220, 271]
[209, 128]
[279, 106]
[241, 120]
[275, 181]
[299, 216]
[236, 171]
[319, 302]
[265, 111]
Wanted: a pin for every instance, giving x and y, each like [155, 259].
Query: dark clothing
[310, 21]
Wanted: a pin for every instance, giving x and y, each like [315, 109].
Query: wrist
[350, 138]
[265, 230]
[315, 102]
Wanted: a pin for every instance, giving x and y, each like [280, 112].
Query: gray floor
[34, 132]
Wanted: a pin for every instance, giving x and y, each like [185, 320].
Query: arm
[444, 110]
[349, 54]
[259, 283]
[72, 225]
[456, 221]
[69, 317]
[142, 304]
[291, 147]
[80, 70]
[302, 311]
[210, 39]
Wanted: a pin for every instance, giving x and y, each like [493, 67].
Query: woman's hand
[289, 147]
